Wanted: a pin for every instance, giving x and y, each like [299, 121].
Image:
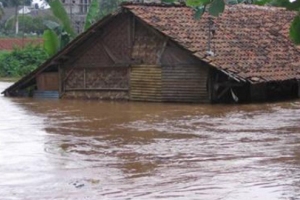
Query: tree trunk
[17, 19]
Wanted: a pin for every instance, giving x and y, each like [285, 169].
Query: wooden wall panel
[111, 44]
[93, 56]
[147, 45]
[48, 81]
[258, 92]
[176, 55]
[145, 83]
[184, 83]
[117, 40]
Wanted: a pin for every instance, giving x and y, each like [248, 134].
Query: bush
[20, 62]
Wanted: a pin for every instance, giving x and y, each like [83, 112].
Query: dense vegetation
[20, 62]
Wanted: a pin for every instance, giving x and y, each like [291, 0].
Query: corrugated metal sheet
[145, 83]
[184, 84]
[46, 94]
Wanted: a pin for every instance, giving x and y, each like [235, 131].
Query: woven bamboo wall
[97, 78]
[100, 68]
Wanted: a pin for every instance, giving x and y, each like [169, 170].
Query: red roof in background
[8, 44]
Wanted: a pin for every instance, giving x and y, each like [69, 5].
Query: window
[84, 5]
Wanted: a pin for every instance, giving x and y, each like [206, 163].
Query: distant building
[77, 9]
[76, 6]
[40, 4]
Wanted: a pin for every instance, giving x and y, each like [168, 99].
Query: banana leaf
[51, 42]
[92, 14]
[59, 12]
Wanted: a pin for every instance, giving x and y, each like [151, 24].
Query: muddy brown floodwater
[90, 150]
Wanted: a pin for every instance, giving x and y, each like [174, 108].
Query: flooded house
[161, 53]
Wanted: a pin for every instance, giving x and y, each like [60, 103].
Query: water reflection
[62, 149]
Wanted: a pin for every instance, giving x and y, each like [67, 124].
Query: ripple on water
[102, 150]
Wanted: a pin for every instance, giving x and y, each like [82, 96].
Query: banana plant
[92, 15]
[60, 13]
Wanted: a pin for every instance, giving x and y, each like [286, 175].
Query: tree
[1, 10]
[16, 4]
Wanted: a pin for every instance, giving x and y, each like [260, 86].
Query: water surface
[68, 150]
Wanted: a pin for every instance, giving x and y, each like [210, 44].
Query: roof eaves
[63, 52]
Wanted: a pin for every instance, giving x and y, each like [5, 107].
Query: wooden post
[84, 78]
[59, 80]
[298, 88]
[212, 81]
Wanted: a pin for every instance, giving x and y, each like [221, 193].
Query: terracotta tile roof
[8, 44]
[250, 42]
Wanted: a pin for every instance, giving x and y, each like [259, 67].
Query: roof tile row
[249, 41]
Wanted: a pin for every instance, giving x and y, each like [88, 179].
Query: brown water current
[90, 150]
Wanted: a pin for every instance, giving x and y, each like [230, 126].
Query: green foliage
[59, 12]
[216, 7]
[196, 3]
[92, 14]
[1, 12]
[199, 11]
[295, 30]
[11, 3]
[56, 38]
[51, 42]
[20, 62]
[167, 1]
[109, 6]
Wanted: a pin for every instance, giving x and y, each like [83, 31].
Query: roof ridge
[178, 4]
[183, 4]
[254, 6]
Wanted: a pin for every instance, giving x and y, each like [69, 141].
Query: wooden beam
[59, 80]
[97, 89]
[229, 84]
[115, 66]
[223, 92]
[84, 78]
[154, 31]
[109, 53]
[70, 72]
[85, 45]
[162, 51]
